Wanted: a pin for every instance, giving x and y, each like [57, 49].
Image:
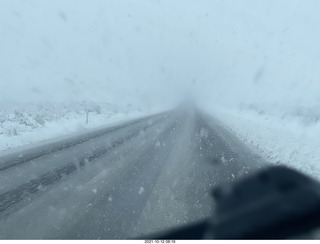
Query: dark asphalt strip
[104, 220]
[15, 160]
[42, 183]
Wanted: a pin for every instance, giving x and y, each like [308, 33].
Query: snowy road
[122, 182]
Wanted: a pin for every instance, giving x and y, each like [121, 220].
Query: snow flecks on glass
[89, 205]
[94, 191]
[110, 198]
[157, 144]
[80, 187]
[204, 133]
[175, 182]
[243, 171]
[223, 159]
[141, 190]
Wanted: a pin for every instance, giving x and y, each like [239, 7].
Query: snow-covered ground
[35, 122]
[291, 139]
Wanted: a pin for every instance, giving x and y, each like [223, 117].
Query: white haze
[235, 53]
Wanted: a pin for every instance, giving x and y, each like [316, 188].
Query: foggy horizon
[244, 52]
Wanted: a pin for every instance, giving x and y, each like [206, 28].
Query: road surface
[126, 181]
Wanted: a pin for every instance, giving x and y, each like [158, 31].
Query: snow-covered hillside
[35, 122]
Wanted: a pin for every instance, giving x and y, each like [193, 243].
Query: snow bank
[34, 122]
[291, 139]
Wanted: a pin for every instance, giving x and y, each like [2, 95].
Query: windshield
[117, 118]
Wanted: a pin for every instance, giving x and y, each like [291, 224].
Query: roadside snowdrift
[291, 139]
[25, 124]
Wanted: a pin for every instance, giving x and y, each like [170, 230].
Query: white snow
[141, 190]
[291, 140]
[35, 122]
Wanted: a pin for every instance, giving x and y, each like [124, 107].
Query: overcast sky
[134, 51]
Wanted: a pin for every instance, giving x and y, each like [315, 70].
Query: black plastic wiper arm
[275, 203]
